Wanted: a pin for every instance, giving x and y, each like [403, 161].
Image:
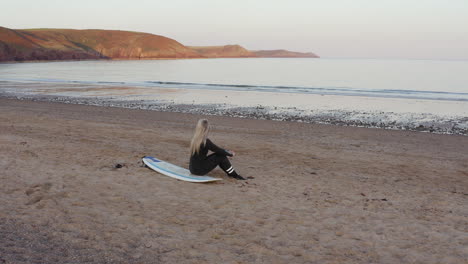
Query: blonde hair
[201, 133]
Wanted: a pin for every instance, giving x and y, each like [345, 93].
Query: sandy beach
[321, 193]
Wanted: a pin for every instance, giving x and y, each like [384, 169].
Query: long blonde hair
[201, 133]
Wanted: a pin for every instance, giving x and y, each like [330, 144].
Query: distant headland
[73, 44]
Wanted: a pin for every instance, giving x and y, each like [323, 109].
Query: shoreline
[321, 193]
[136, 59]
[109, 59]
[180, 101]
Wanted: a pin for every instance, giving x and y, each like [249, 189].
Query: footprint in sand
[37, 192]
[28, 154]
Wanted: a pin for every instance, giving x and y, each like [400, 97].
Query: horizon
[360, 29]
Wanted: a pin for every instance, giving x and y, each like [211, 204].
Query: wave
[344, 91]
[350, 91]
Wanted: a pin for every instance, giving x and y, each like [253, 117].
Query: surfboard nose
[151, 158]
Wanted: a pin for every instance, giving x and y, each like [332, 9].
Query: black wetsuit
[201, 164]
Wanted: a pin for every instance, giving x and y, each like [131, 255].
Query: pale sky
[416, 29]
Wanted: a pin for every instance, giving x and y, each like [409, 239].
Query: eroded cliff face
[19, 46]
[131, 45]
[72, 44]
[283, 54]
[236, 51]
[227, 51]
[69, 44]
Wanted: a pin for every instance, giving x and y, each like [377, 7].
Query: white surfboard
[174, 171]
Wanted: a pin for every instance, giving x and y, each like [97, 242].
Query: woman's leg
[225, 165]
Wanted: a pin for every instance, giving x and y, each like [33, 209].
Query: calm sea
[401, 94]
[417, 79]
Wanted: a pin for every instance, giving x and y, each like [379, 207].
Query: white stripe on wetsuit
[231, 169]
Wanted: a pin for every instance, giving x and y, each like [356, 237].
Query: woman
[200, 163]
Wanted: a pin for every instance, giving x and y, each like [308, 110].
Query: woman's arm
[211, 146]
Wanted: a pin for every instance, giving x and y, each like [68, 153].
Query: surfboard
[175, 171]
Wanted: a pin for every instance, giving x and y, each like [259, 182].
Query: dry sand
[321, 193]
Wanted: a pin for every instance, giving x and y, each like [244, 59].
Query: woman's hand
[232, 152]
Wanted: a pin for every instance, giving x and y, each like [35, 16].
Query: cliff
[64, 44]
[283, 54]
[228, 51]
[72, 44]
[236, 51]
[18, 46]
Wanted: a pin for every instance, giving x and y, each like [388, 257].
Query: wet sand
[321, 193]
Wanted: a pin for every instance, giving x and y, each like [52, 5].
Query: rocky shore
[383, 120]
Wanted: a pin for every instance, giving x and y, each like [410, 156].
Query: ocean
[425, 95]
